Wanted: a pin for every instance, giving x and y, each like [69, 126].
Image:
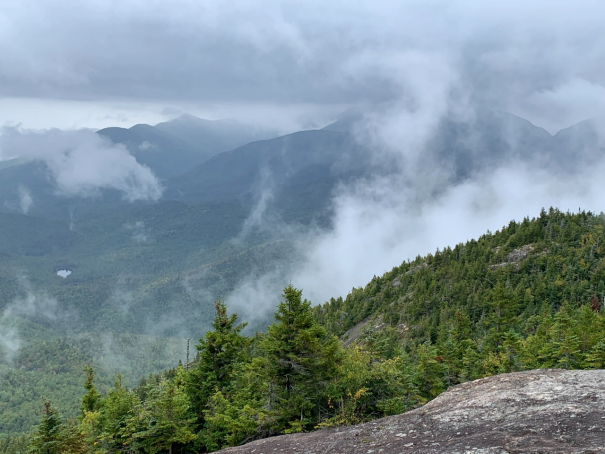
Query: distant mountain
[33, 180]
[165, 154]
[299, 169]
[584, 138]
[155, 268]
[213, 136]
[346, 121]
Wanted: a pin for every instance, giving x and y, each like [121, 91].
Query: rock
[516, 255]
[540, 411]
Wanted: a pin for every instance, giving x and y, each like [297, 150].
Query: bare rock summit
[539, 411]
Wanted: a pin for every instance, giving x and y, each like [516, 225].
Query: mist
[80, 164]
[32, 304]
[456, 69]
[405, 67]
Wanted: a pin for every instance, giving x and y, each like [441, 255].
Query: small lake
[63, 273]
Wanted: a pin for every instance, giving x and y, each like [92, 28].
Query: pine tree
[90, 401]
[169, 421]
[48, 438]
[55, 436]
[301, 360]
[218, 352]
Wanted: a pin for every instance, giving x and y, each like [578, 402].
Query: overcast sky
[72, 64]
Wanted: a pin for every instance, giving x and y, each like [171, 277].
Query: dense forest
[528, 296]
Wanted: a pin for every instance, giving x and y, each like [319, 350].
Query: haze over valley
[157, 158]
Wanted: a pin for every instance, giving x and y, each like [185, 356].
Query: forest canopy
[525, 297]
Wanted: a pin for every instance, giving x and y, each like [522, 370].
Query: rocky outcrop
[541, 411]
[514, 257]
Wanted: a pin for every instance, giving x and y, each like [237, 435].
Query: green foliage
[526, 297]
[51, 366]
[167, 420]
[15, 444]
[218, 354]
[90, 401]
[54, 435]
[301, 359]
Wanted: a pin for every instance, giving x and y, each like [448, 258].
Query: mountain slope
[213, 136]
[166, 155]
[267, 164]
[492, 291]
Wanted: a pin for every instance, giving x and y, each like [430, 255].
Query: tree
[54, 435]
[302, 358]
[168, 420]
[218, 353]
[119, 419]
[90, 401]
[48, 437]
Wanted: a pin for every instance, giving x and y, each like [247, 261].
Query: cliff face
[540, 411]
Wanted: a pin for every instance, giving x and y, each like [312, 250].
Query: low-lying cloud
[31, 304]
[81, 163]
[25, 199]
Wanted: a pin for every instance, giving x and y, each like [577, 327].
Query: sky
[297, 64]
[73, 64]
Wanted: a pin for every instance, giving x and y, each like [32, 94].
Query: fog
[31, 303]
[80, 163]
[404, 65]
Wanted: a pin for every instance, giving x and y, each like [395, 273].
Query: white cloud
[25, 199]
[81, 163]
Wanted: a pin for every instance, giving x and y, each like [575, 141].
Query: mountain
[299, 170]
[154, 269]
[518, 412]
[293, 162]
[523, 298]
[29, 188]
[166, 155]
[176, 146]
[213, 136]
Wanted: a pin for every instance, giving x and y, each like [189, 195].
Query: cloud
[284, 53]
[413, 62]
[571, 102]
[25, 199]
[378, 224]
[81, 163]
[146, 146]
[419, 202]
[140, 234]
[31, 304]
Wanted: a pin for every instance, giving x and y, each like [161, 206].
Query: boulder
[539, 411]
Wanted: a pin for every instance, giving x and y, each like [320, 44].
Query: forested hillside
[528, 296]
[48, 365]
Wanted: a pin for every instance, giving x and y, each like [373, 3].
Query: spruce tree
[90, 401]
[168, 419]
[48, 439]
[301, 360]
[218, 352]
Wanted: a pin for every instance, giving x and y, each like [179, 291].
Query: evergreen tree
[218, 353]
[168, 420]
[55, 436]
[119, 419]
[48, 439]
[302, 358]
[90, 401]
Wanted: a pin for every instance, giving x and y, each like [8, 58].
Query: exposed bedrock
[540, 411]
